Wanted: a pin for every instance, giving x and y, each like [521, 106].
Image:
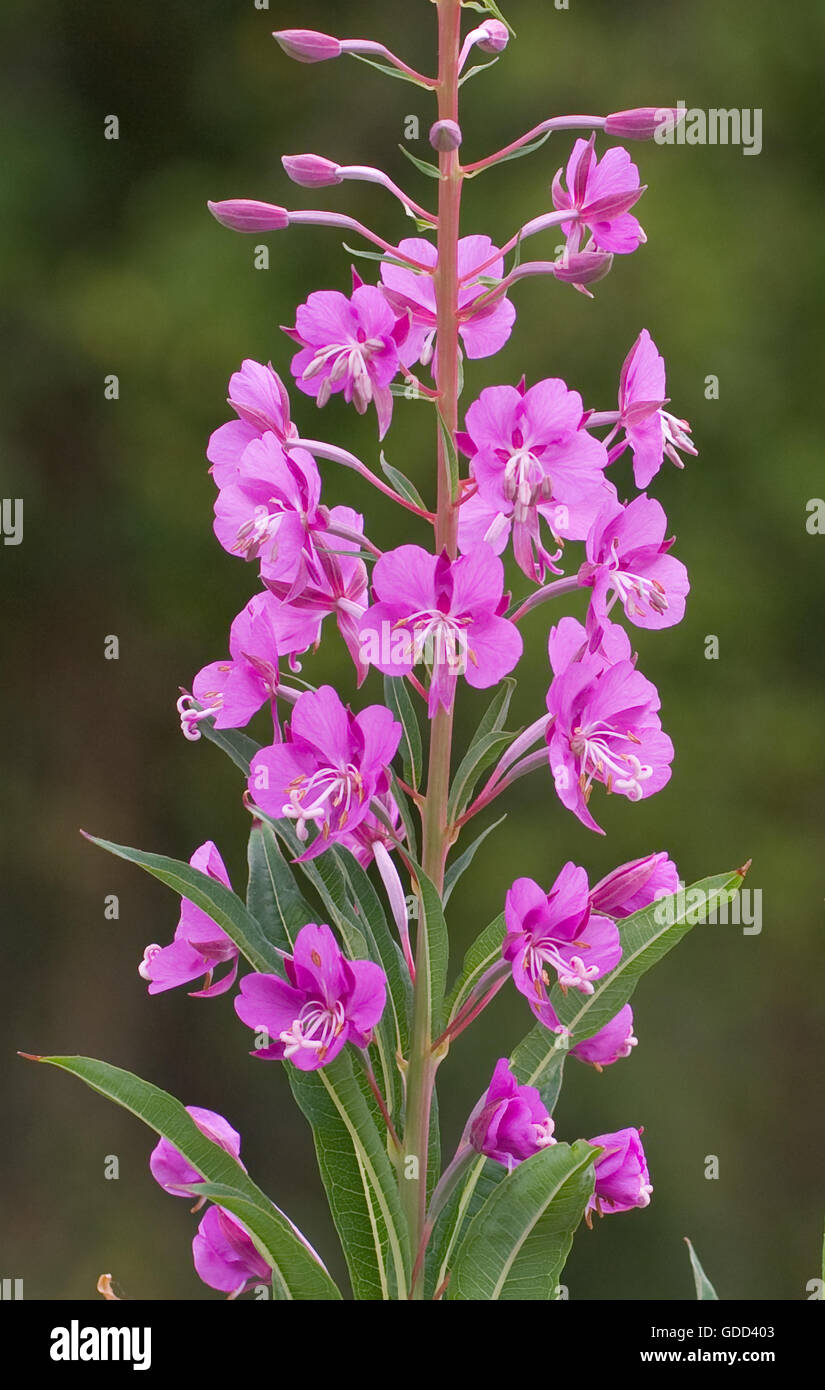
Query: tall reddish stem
[422, 1065]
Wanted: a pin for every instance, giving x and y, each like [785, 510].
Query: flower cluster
[340, 787]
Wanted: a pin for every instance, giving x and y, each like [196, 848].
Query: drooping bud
[635, 885]
[610, 1044]
[642, 122]
[307, 45]
[312, 170]
[445, 136]
[583, 267]
[496, 36]
[622, 1177]
[247, 215]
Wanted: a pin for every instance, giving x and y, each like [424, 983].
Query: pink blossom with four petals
[613, 1042]
[175, 1173]
[225, 1255]
[511, 1122]
[325, 1002]
[628, 560]
[199, 946]
[328, 768]
[602, 192]
[531, 461]
[445, 613]
[650, 431]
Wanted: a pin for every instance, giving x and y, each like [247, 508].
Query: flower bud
[247, 215]
[622, 1178]
[611, 1043]
[635, 885]
[308, 46]
[312, 170]
[445, 136]
[511, 1123]
[496, 36]
[642, 122]
[583, 267]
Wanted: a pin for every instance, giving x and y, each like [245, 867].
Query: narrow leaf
[220, 903]
[647, 936]
[397, 698]
[239, 747]
[704, 1288]
[450, 456]
[458, 866]
[482, 752]
[401, 482]
[274, 1235]
[516, 1246]
[422, 165]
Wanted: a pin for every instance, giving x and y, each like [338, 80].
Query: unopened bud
[642, 122]
[246, 215]
[445, 136]
[496, 36]
[312, 170]
[583, 268]
[308, 46]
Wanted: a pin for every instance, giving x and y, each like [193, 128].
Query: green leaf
[389, 71]
[488, 7]
[397, 698]
[499, 707]
[273, 896]
[374, 256]
[464, 860]
[484, 952]
[468, 1199]
[481, 753]
[422, 165]
[359, 1180]
[300, 1274]
[401, 482]
[220, 903]
[450, 455]
[479, 67]
[240, 747]
[521, 152]
[647, 936]
[515, 1248]
[704, 1288]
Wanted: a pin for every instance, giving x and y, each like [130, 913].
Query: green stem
[422, 1064]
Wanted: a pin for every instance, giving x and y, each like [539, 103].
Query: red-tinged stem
[382, 1106]
[568, 585]
[422, 1066]
[555, 123]
[318, 448]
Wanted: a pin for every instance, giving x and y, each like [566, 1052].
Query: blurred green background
[111, 264]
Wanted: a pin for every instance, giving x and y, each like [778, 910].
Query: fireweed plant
[351, 995]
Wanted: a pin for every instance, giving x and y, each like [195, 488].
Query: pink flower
[557, 929]
[606, 729]
[444, 613]
[225, 1256]
[512, 1122]
[268, 508]
[532, 462]
[326, 1002]
[349, 345]
[484, 330]
[650, 431]
[627, 557]
[200, 945]
[602, 191]
[259, 399]
[329, 767]
[622, 1177]
[231, 692]
[337, 583]
[610, 1044]
[636, 885]
[168, 1165]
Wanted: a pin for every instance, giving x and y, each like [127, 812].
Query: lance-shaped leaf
[488, 739]
[220, 903]
[402, 484]
[272, 896]
[239, 747]
[704, 1288]
[484, 952]
[397, 699]
[460, 865]
[516, 1246]
[298, 1271]
[647, 936]
[359, 1180]
[432, 949]
[460, 1209]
